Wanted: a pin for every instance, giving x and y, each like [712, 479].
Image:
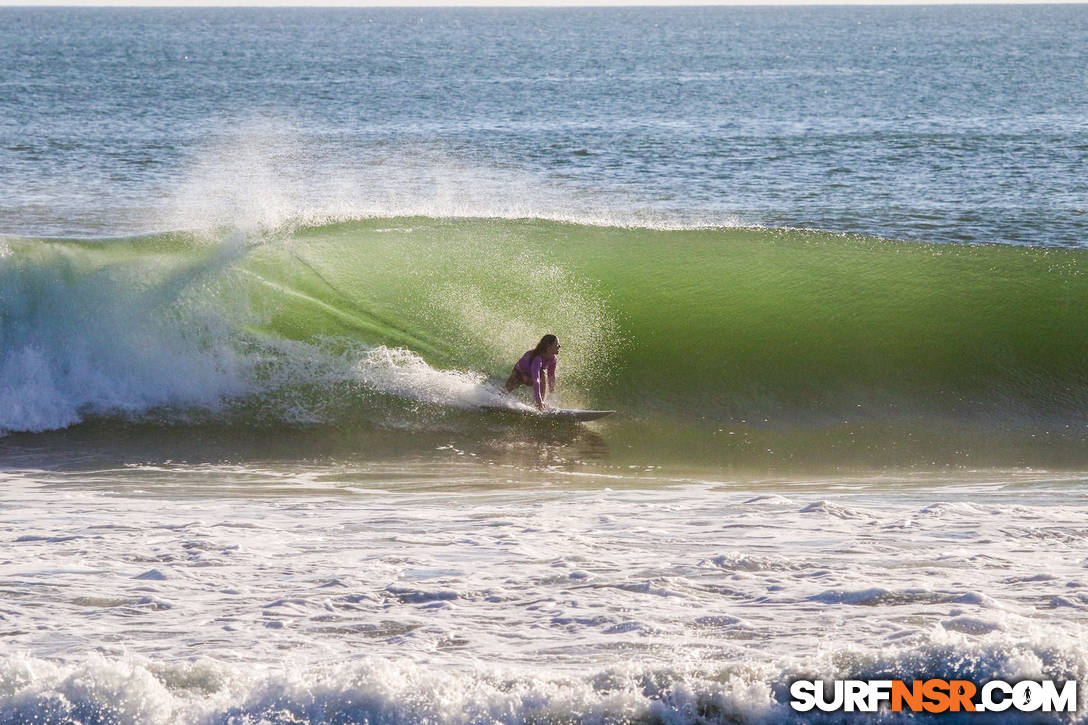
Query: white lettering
[994, 696]
[879, 690]
[804, 695]
[855, 696]
[988, 702]
[1027, 696]
[821, 696]
[1066, 701]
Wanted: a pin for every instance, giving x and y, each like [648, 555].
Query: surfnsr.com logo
[933, 696]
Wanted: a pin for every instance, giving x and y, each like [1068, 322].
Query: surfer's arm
[537, 373]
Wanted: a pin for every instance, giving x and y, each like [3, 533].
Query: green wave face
[729, 342]
[709, 322]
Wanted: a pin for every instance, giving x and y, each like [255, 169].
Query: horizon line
[498, 4]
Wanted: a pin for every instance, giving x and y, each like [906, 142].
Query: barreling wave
[691, 328]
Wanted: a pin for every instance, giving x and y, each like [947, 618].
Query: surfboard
[560, 413]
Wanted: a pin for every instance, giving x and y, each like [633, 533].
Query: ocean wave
[737, 332]
[139, 691]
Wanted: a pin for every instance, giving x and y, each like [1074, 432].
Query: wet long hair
[542, 346]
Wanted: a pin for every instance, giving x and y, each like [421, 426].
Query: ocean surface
[261, 268]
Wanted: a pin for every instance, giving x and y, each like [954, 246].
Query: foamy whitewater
[261, 269]
[219, 593]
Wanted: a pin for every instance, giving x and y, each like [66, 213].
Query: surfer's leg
[516, 379]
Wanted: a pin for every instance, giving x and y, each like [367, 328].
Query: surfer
[530, 369]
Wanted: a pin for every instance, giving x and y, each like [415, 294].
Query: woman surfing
[532, 366]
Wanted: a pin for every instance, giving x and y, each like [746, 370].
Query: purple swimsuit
[535, 369]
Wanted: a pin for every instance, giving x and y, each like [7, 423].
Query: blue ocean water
[929, 123]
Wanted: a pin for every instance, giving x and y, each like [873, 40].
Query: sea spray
[113, 328]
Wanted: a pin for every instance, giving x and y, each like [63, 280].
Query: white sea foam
[403, 373]
[319, 597]
[138, 691]
[82, 339]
